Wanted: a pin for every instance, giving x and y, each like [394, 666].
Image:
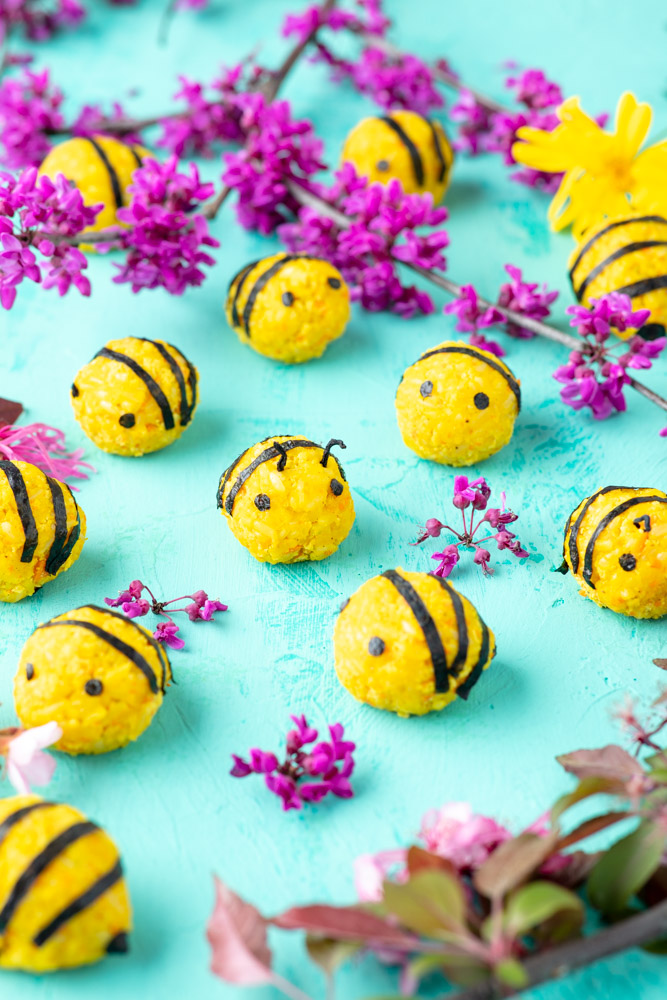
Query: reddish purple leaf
[661, 663]
[343, 923]
[612, 762]
[237, 935]
[513, 862]
[9, 411]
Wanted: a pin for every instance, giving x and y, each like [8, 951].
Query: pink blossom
[372, 870]
[166, 633]
[44, 447]
[27, 764]
[526, 298]
[448, 560]
[29, 113]
[466, 839]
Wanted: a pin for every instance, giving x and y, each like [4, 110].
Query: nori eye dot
[410, 643]
[98, 674]
[101, 168]
[136, 396]
[288, 307]
[43, 529]
[404, 145]
[457, 404]
[63, 897]
[300, 516]
[616, 547]
[626, 254]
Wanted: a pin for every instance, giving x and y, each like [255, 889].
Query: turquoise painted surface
[562, 665]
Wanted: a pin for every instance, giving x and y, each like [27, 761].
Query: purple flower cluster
[594, 376]
[470, 318]
[386, 225]
[92, 118]
[277, 149]
[392, 80]
[368, 17]
[329, 764]
[37, 19]
[475, 495]
[29, 112]
[166, 235]
[37, 213]
[131, 603]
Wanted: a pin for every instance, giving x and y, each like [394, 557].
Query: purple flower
[492, 346]
[469, 317]
[474, 123]
[533, 89]
[431, 529]
[136, 609]
[166, 633]
[29, 113]
[466, 493]
[38, 20]
[392, 81]
[448, 560]
[200, 608]
[482, 558]
[526, 298]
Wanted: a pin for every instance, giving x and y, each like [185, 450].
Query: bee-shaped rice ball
[287, 500]
[288, 307]
[98, 674]
[457, 404]
[616, 547]
[101, 168]
[403, 145]
[63, 897]
[410, 643]
[42, 529]
[627, 255]
[135, 396]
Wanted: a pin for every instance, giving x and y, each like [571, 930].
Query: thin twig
[556, 963]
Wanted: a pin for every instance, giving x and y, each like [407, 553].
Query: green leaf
[585, 788]
[512, 863]
[460, 969]
[330, 954]
[432, 903]
[511, 973]
[625, 868]
[539, 902]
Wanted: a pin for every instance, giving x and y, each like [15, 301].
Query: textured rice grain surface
[311, 509]
[437, 414]
[641, 590]
[401, 678]
[63, 659]
[84, 938]
[21, 579]
[378, 153]
[106, 391]
[295, 315]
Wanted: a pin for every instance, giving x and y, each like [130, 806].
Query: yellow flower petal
[633, 121]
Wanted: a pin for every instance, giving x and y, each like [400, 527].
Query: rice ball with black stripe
[616, 548]
[99, 675]
[402, 145]
[63, 897]
[135, 396]
[101, 167]
[42, 529]
[286, 499]
[627, 254]
[457, 404]
[288, 307]
[410, 643]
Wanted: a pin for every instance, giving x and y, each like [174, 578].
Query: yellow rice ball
[101, 168]
[63, 897]
[625, 254]
[616, 547]
[135, 396]
[403, 145]
[42, 529]
[457, 404]
[98, 674]
[286, 499]
[410, 643]
[288, 307]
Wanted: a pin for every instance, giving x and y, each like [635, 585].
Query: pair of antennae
[282, 461]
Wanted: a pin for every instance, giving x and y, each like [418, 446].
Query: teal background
[563, 664]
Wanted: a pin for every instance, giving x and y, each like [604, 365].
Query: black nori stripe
[415, 155]
[261, 283]
[23, 508]
[462, 650]
[79, 904]
[464, 689]
[471, 352]
[442, 173]
[178, 375]
[113, 176]
[427, 625]
[605, 522]
[10, 821]
[264, 456]
[118, 644]
[41, 861]
[574, 533]
[607, 229]
[241, 276]
[192, 382]
[157, 646]
[616, 255]
[138, 159]
[150, 383]
[61, 558]
[60, 519]
[643, 286]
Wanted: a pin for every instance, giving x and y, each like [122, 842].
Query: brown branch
[556, 963]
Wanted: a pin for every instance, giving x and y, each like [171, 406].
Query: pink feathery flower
[27, 764]
[456, 833]
[44, 447]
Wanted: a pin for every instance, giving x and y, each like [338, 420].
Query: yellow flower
[605, 174]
